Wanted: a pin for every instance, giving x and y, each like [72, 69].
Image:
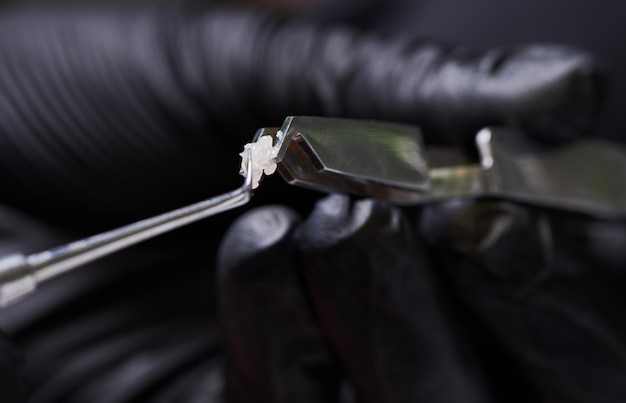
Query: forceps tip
[248, 181]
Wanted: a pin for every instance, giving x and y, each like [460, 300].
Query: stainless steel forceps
[20, 275]
[375, 159]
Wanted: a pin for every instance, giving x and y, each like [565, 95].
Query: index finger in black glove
[383, 307]
[275, 349]
[123, 115]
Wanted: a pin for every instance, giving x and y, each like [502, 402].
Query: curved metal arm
[20, 275]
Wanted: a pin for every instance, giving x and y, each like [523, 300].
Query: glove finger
[383, 310]
[94, 118]
[547, 285]
[275, 350]
[451, 92]
[103, 111]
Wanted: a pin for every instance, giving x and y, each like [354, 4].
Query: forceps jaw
[388, 161]
[371, 158]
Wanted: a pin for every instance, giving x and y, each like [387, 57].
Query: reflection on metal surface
[382, 160]
[388, 161]
[377, 159]
[588, 175]
[20, 275]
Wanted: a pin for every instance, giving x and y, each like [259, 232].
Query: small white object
[279, 136]
[263, 155]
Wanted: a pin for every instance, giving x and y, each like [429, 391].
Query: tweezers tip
[247, 184]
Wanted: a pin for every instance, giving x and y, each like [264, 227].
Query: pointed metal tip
[247, 183]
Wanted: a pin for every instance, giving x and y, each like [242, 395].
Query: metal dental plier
[381, 160]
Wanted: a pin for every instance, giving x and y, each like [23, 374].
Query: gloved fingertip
[275, 351]
[565, 92]
[257, 231]
[337, 219]
[554, 93]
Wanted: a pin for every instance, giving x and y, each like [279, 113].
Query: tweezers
[382, 160]
[20, 274]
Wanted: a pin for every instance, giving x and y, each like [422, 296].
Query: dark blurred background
[597, 26]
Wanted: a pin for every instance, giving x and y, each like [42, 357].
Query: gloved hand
[107, 118]
[453, 302]
[110, 117]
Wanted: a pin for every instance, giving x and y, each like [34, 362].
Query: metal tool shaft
[56, 261]
[19, 274]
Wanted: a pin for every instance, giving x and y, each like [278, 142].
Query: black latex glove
[109, 117]
[112, 117]
[548, 288]
[455, 302]
[351, 290]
